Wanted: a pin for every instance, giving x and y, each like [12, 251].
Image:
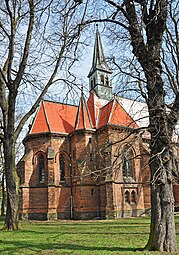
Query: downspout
[71, 181]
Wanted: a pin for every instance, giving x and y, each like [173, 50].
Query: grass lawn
[124, 236]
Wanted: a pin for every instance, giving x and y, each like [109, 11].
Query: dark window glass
[107, 81]
[62, 168]
[41, 168]
[102, 79]
[133, 197]
[127, 163]
[126, 197]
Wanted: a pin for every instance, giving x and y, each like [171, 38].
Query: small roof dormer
[100, 73]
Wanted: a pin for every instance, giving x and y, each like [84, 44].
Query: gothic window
[127, 162]
[127, 197]
[41, 168]
[92, 84]
[102, 79]
[62, 168]
[133, 197]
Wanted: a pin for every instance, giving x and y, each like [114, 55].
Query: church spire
[99, 61]
[100, 73]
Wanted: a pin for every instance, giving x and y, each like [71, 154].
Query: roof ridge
[102, 109]
[85, 114]
[113, 101]
[91, 108]
[54, 102]
[34, 119]
[88, 113]
[107, 103]
[83, 117]
[46, 117]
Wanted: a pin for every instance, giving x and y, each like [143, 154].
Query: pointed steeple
[83, 118]
[100, 73]
[99, 61]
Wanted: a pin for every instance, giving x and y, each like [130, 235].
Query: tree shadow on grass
[83, 232]
[17, 246]
[93, 223]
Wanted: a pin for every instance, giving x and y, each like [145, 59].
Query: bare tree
[144, 24]
[2, 182]
[38, 41]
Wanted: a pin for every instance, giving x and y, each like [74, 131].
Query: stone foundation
[33, 216]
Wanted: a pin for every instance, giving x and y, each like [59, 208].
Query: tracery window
[41, 168]
[62, 168]
[127, 162]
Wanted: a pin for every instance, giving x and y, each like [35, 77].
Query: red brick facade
[93, 184]
[85, 162]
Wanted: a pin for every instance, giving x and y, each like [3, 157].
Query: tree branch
[49, 83]
[27, 45]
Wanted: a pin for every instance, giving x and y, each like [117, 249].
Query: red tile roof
[40, 123]
[55, 118]
[104, 114]
[90, 104]
[114, 114]
[94, 104]
[83, 118]
[64, 118]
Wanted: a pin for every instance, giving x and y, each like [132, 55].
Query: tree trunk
[146, 23]
[162, 233]
[3, 197]
[11, 220]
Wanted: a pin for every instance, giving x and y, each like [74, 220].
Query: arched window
[41, 168]
[127, 197]
[102, 79]
[62, 168]
[127, 162]
[133, 197]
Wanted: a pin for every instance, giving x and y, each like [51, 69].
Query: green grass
[124, 236]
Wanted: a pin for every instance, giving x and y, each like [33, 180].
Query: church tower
[100, 73]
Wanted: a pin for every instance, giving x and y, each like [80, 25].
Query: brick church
[88, 161]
